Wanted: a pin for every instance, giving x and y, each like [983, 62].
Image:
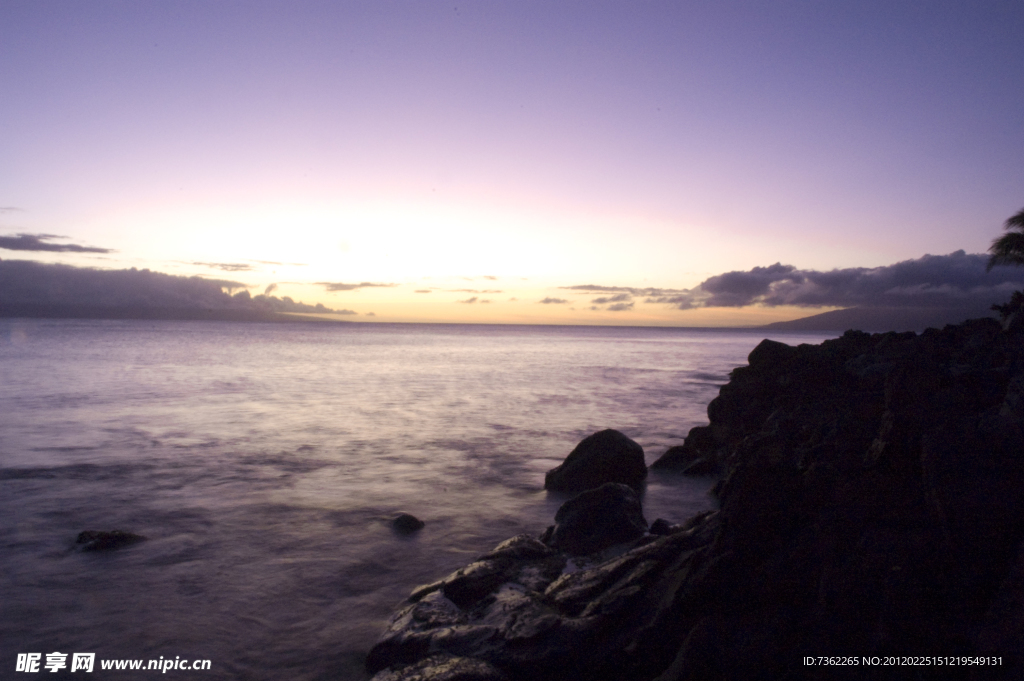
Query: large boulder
[598, 518]
[605, 456]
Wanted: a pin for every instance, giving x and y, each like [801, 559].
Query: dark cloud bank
[33, 289]
[39, 242]
[933, 290]
[939, 281]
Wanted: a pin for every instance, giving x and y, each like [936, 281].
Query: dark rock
[519, 548]
[93, 540]
[605, 456]
[662, 527]
[769, 352]
[405, 523]
[700, 445]
[702, 467]
[546, 621]
[597, 519]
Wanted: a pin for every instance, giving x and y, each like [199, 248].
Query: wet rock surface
[872, 504]
[605, 456]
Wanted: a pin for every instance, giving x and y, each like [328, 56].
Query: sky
[526, 162]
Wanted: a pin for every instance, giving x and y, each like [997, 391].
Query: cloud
[10, 209]
[471, 290]
[274, 262]
[423, 290]
[371, 314]
[225, 266]
[337, 286]
[631, 290]
[957, 280]
[270, 289]
[35, 242]
[621, 307]
[468, 301]
[345, 312]
[620, 298]
[553, 301]
[221, 283]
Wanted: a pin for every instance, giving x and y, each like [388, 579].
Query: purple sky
[548, 145]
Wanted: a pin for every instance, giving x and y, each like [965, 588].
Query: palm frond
[1007, 250]
[1015, 221]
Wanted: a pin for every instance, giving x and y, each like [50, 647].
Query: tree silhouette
[1009, 248]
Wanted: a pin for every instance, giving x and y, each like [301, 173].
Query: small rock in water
[93, 540]
[406, 523]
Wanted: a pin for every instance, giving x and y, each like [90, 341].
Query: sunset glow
[506, 152]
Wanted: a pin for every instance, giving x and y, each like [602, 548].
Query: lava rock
[605, 456]
[444, 668]
[94, 540]
[598, 518]
[406, 523]
[545, 621]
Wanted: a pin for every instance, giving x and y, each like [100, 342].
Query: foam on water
[264, 462]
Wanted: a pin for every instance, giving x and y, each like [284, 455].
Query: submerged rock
[94, 540]
[605, 456]
[405, 523]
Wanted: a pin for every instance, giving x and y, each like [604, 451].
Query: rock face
[872, 505]
[605, 456]
[94, 540]
[532, 612]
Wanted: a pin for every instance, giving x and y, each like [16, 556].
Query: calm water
[265, 461]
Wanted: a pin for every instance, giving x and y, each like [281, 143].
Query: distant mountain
[882, 319]
[33, 289]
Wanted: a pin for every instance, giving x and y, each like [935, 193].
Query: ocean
[264, 463]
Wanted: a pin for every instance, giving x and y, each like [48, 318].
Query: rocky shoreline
[871, 506]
